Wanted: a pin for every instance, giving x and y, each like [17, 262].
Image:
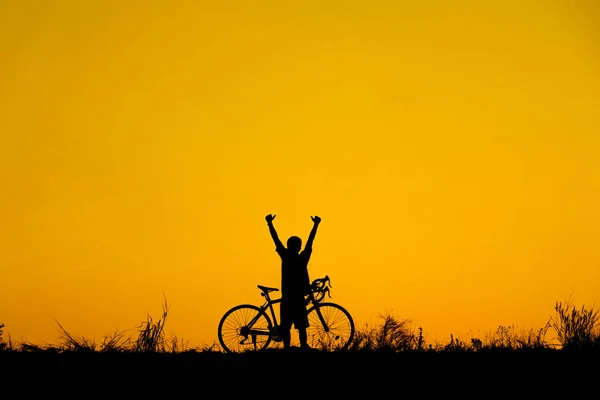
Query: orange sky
[451, 150]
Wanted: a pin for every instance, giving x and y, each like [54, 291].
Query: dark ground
[330, 375]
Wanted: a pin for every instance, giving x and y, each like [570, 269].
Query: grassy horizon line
[575, 328]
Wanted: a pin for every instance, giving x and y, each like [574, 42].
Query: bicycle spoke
[338, 331]
[235, 334]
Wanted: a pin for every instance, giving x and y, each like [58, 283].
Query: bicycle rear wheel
[244, 328]
[334, 332]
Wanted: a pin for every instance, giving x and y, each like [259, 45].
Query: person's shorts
[293, 311]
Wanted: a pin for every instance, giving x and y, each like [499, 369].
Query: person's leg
[301, 322]
[303, 338]
[286, 336]
[285, 326]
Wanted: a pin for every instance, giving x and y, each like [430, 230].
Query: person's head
[294, 243]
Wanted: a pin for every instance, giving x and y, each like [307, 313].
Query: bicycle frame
[330, 326]
[268, 305]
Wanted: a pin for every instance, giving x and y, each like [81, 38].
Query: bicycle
[247, 327]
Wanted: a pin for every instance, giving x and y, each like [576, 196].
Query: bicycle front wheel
[245, 328]
[331, 327]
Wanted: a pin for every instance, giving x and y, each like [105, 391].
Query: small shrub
[69, 342]
[508, 338]
[3, 344]
[392, 335]
[576, 329]
[151, 337]
[455, 345]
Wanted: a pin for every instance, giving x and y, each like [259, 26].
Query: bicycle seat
[267, 289]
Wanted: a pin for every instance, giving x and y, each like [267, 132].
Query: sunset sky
[450, 148]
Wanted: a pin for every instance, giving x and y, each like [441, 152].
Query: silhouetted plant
[151, 337]
[508, 338]
[30, 347]
[395, 335]
[392, 335]
[115, 342]
[3, 344]
[456, 344]
[576, 329]
[503, 338]
[68, 342]
[207, 348]
[534, 339]
[420, 340]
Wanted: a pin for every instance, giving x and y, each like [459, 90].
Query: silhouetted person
[295, 283]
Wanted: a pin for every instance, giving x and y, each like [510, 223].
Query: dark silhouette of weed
[69, 342]
[151, 336]
[393, 335]
[3, 345]
[576, 329]
[509, 338]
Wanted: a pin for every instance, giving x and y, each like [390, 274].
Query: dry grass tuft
[393, 335]
[151, 336]
[575, 328]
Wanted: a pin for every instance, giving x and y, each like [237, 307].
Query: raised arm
[313, 232]
[273, 232]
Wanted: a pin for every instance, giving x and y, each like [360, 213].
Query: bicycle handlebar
[320, 288]
[320, 283]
